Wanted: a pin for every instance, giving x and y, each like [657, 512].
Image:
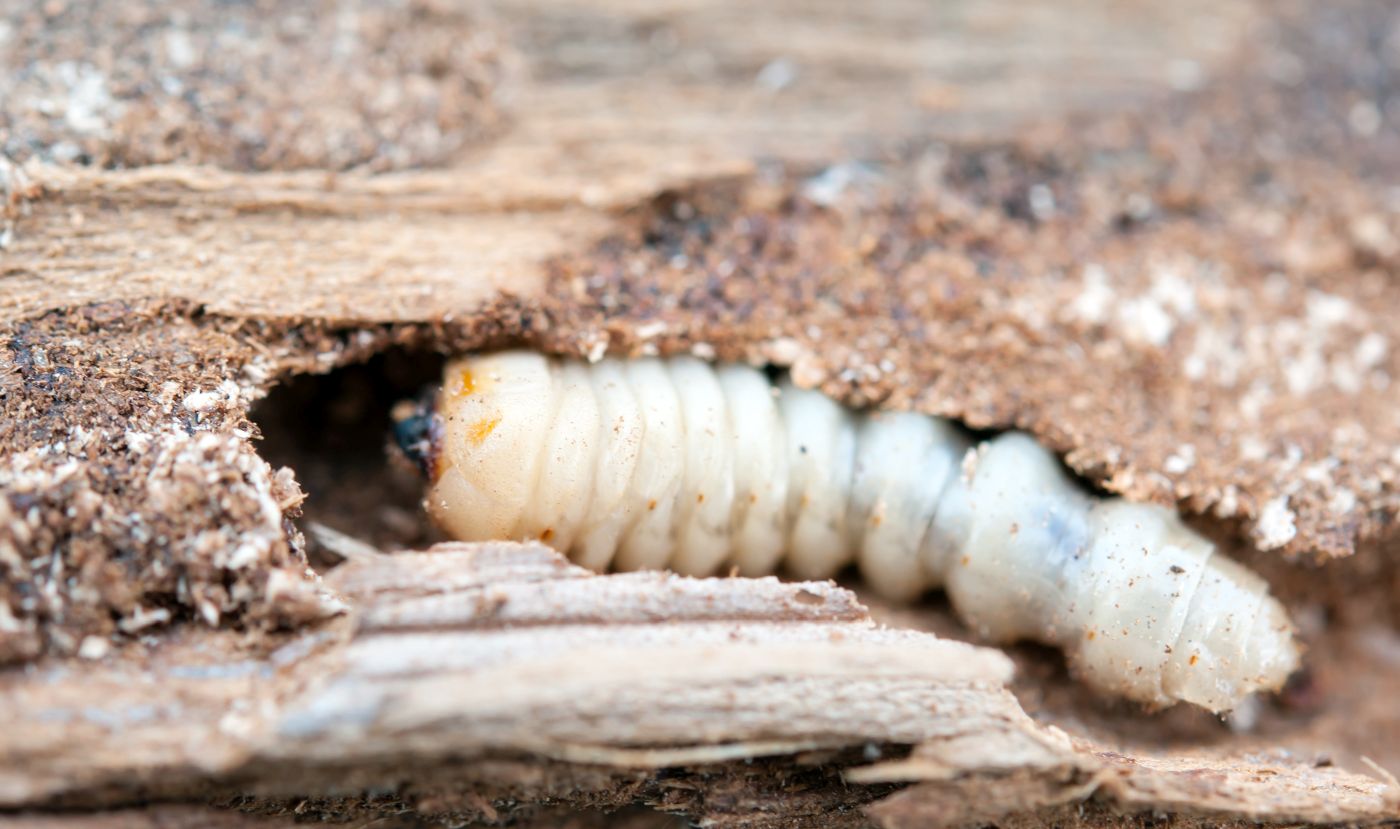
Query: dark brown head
[418, 431]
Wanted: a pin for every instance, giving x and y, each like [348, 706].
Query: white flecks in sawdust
[143, 618]
[1328, 343]
[227, 396]
[237, 481]
[75, 94]
[94, 647]
[1330, 346]
[832, 184]
[1326, 310]
[1276, 526]
[194, 458]
[1214, 357]
[1371, 234]
[1371, 350]
[1180, 461]
[1150, 316]
[89, 102]
[784, 351]
[1251, 407]
[259, 371]
[1228, 505]
[181, 51]
[1342, 502]
[650, 330]
[1174, 291]
[1170, 300]
[808, 372]
[1095, 298]
[598, 348]
[1036, 315]
[1041, 200]
[1320, 472]
[137, 442]
[201, 401]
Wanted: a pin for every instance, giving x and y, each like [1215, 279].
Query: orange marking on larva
[651, 505]
[482, 429]
[466, 384]
[1195, 658]
[1090, 635]
[547, 534]
[700, 498]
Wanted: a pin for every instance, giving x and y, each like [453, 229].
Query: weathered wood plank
[463, 687]
[477, 658]
[656, 670]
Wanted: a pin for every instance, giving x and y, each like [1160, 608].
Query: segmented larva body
[675, 463]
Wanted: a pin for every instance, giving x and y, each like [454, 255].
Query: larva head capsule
[418, 432]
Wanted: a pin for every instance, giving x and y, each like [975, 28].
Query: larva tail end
[418, 432]
[1273, 653]
[1269, 655]
[1235, 661]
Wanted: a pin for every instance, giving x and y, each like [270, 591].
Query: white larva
[675, 463]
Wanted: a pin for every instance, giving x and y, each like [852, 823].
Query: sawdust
[1196, 304]
[248, 86]
[131, 489]
[131, 493]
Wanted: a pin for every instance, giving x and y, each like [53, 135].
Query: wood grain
[482, 683]
[477, 658]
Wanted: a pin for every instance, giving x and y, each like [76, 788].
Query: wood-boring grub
[647, 464]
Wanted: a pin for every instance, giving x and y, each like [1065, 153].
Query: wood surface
[489, 676]
[597, 141]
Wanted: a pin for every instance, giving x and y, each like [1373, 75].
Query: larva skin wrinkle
[675, 463]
